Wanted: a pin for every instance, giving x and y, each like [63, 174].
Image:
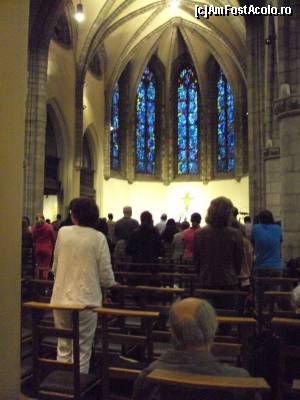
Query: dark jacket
[145, 244]
[196, 362]
[124, 228]
[218, 256]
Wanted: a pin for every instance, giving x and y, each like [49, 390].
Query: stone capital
[287, 106]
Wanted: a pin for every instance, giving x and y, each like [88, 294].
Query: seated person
[193, 325]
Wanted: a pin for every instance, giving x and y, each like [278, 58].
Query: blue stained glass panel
[145, 123]
[115, 130]
[225, 127]
[187, 123]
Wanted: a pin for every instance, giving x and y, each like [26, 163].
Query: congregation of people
[80, 253]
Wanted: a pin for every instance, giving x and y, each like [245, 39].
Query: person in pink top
[44, 239]
[188, 235]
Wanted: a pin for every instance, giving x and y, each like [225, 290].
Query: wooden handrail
[208, 381]
[47, 306]
[126, 313]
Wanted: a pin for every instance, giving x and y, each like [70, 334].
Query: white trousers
[87, 327]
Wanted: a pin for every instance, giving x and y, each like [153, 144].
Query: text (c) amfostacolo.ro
[206, 11]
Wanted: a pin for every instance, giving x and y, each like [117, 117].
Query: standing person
[248, 226]
[27, 248]
[218, 248]
[266, 238]
[162, 224]
[56, 223]
[81, 268]
[111, 227]
[177, 244]
[168, 235]
[44, 239]
[145, 243]
[123, 229]
[189, 234]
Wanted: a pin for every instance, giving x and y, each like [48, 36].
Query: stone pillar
[36, 119]
[13, 72]
[288, 111]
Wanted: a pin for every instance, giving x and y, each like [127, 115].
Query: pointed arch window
[115, 130]
[225, 133]
[188, 141]
[146, 123]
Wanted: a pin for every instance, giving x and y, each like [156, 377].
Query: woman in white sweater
[81, 267]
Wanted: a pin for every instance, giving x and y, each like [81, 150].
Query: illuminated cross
[187, 201]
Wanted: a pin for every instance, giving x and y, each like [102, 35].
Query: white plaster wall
[158, 198]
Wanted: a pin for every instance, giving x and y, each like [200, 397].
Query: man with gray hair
[193, 326]
[295, 298]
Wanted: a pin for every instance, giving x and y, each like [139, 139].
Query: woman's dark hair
[85, 211]
[266, 217]
[219, 213]
[169, 231]
[146, 219]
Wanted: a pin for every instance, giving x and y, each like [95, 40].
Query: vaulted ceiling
[124, 31]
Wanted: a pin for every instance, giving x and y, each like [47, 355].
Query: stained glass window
[115, 131]
[187, 123]
[225, 139]
[145, 123]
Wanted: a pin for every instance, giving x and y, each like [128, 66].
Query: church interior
[140, 103]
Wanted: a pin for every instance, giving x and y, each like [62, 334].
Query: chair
[56, 379]
[120, 365]
[288, 331]
[267, 284]
[170, 381]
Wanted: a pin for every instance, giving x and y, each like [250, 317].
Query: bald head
[127, 211]
[193, 323]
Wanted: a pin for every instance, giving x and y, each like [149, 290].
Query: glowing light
[79, 15]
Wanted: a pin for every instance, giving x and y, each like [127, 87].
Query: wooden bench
[125, 338]
[273, 298]
[212, 295]
[54, 379]
[270, 284]
[166, 379]
[289, 348]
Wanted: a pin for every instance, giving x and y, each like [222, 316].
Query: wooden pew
[286, 328]
[166, 279]
[270, 284]
[56, 379]
[212, 295]
[273, 298]
[124, 337]
[139, 297]
[167, 379]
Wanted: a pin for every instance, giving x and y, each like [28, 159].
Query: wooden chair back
[196, 382]
[288, 331]
[140, 334]
[56, 379]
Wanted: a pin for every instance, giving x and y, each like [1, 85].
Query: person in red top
[44, 239]
[188, 235]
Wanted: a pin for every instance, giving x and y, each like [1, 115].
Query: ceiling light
[79, 15]
[174, 5]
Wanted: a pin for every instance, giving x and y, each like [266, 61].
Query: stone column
[13, 72]
[288, 111]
